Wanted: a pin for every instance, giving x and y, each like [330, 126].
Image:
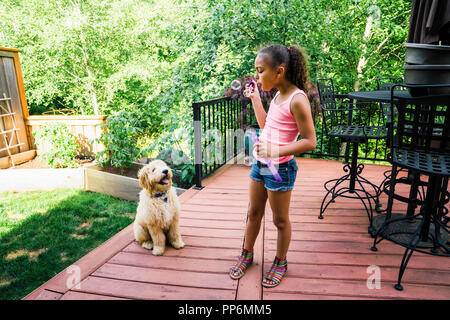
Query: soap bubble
[236, 85]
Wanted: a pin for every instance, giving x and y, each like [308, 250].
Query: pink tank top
[280, 128]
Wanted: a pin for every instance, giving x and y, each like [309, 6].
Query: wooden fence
[85, 129]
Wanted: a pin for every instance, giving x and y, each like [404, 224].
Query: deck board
[171, 263]
[143, 290]
[184, 278]
[328, 259]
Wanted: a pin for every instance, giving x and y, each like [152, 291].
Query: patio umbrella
[430, 22]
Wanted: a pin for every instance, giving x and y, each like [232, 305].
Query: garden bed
[35, 175]
[122, 184]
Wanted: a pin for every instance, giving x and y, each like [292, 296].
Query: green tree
[154, 58]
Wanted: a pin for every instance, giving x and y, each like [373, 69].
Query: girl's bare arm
[260, 113]
[301, 110]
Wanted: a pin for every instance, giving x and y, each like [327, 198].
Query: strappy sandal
[276, 273]
[245, 259]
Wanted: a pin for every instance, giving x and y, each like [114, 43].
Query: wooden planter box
[90, 177]
[17, 180]
[98, 180]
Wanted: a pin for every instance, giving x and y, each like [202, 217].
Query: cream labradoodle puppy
[158, 211]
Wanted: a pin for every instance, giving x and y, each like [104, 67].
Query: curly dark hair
[295, 60]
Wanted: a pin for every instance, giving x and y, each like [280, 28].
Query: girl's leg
[279, 202]
[258, 199]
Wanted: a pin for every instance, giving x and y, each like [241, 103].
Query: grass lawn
[43, 232]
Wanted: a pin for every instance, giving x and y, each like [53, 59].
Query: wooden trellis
[12, 141]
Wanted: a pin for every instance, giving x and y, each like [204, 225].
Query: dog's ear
[143, 178]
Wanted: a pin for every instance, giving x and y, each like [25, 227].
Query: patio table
[378, 95]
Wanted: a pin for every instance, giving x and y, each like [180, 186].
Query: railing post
[197, 146]
[349, 123]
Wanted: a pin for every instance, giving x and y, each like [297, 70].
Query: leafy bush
[61, 145]
[119, 138]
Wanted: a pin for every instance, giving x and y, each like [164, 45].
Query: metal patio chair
[347, 122]
[420, 141]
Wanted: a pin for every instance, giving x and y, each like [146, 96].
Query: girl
[289, 115]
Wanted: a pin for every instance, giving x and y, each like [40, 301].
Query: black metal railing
[219, 136]
[219, 128]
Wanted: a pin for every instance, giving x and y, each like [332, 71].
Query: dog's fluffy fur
[156, 218]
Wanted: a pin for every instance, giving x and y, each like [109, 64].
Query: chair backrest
[423, 123]
[326, 93]
[327, 102]
[386, 83]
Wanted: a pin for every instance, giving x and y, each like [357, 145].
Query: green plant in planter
[182, 167]
[119, 138]
[61, 145]
[187, 175]
[175, 147]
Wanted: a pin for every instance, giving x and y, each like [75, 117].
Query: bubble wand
[270, 165]
[250, 88]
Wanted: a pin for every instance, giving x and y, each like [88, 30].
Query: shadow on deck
[328, 259]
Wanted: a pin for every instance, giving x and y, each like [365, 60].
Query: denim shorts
[287, 170]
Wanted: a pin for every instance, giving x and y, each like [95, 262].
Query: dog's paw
[147, 245]
[178, 244]
[158, 251]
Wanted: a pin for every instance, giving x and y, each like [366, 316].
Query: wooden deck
[328, 259]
